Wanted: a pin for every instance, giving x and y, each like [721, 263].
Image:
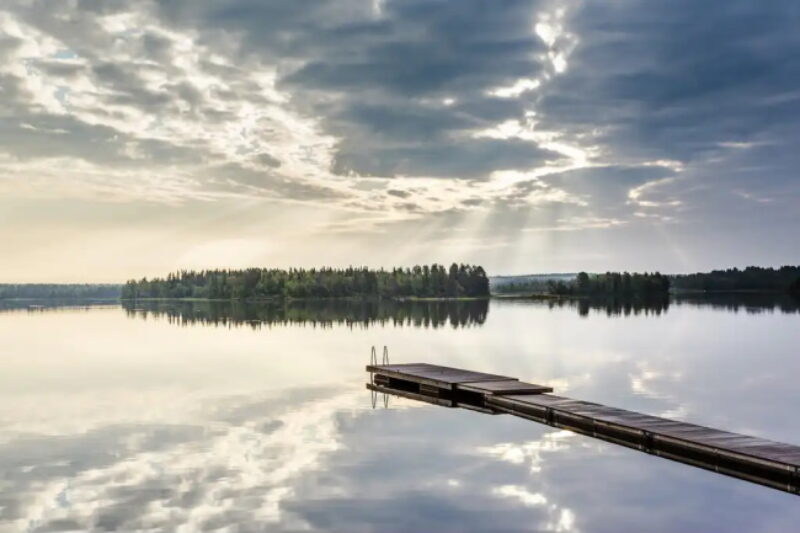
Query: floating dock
[762, 461]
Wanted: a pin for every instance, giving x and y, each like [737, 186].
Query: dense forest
[610, 284]
[614, 284]
[434, 281]
[63, 291]
[533, 286]
[783, 279]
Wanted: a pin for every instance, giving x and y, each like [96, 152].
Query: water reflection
[409, 313]
[235, 469]
[623, 306]
[52, 304]
[751, 303]
[607, 306]
[112, 423]
[317, 313]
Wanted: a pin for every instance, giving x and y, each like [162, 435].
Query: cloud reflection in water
[143, 425]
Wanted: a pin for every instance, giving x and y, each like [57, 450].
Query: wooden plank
[441, 376]
[542, 400]
[693, 435]
[512, 386]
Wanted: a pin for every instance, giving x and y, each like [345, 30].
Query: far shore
[536, 296]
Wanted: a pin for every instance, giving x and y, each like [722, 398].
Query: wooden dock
[762, 461]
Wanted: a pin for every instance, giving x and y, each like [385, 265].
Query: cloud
[315, 93]
[410, 110]
[647, 91]
[463, 158]
[85, 85]
[113, 477]
[406, 103]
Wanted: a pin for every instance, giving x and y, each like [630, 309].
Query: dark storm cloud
[399, 124]
[671, 80]
[268, 160]
[378, 80]
[603, 187]
[399, 194]
[8, 44]
[60, 69]
[467, 158]
[712, 86]
[399, 138]
[157, 47]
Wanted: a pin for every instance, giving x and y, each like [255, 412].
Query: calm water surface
[255, 418]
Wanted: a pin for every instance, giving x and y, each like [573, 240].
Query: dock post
[647, 441]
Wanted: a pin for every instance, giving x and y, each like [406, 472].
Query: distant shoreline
[674, 292]
[729, 291]
[495, 296]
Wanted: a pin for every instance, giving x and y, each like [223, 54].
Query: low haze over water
[196, 417]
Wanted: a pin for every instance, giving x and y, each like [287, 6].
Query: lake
[254, 417]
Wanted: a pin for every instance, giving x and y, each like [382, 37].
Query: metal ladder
[373, 361]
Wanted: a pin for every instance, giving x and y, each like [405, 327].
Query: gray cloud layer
[624, 111]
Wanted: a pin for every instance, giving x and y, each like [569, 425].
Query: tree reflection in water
[317, 313]
[752, 303]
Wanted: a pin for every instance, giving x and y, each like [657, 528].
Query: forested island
[785, 279]
[752, 278]
[610, 284]
[434, 281]
[623, 284]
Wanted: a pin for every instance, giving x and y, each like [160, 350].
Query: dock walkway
[762, 461]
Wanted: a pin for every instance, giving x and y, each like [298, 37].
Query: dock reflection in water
[769, 463]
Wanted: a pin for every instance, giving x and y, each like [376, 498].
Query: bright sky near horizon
[141, 137]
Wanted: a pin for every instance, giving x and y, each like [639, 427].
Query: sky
[137, 138]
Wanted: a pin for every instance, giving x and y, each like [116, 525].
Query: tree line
[623, 284]
[610, 284]
[752, 278]
[534, 286]
[87, 291]
[434, 281]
